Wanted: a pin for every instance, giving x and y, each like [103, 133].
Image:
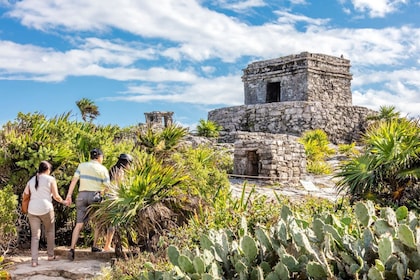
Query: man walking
[94, 178]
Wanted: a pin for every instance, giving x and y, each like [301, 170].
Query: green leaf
[173, 254]
[205, 242]
[316, 270]
[263, 239]
[363, 213]
[385, 248]
[389, 215]
[185, 264]
[318, 228]
[286, 213]
[199, 265]
[375, 274]
[401, 213]
[382, 227]
[406, 236]
[282, 271]
[290, 262]
[240, 266]
[379, 265]
[249, 247]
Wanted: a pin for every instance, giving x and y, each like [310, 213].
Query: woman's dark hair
[43, 166]
[123, 161]
[96, 153]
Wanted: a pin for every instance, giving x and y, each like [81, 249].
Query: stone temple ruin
[159, 119]
[285, 97]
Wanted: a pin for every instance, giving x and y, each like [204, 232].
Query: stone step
[87, 265]
[84, 253]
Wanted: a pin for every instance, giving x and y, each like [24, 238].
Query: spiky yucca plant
[146, 204]
[157, 141]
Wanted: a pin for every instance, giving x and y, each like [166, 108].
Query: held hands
[67, 201]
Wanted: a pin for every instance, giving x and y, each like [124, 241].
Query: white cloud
[378, 8]
[221, 90]
[290, 18]
[27, 62]
[197, 33]
[298, 2]
[240, 5]
[188, 32]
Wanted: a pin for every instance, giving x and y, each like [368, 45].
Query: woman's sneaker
[70, 255]
[96, 249]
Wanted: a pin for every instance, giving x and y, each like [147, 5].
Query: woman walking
[116, 175]
[42, 187]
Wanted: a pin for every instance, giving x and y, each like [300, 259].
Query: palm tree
[88, 109]
[386, 113]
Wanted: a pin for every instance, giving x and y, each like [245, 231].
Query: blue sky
[186, 56]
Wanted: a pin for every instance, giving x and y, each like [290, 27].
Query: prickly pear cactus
[360, 245]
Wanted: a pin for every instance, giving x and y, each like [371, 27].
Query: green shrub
[317, 149]
[389, 168]
[318, 167]
[32, 138]
[348, 149]
[8, 216]
[208, 128]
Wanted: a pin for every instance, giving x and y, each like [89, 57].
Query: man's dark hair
[96, 153]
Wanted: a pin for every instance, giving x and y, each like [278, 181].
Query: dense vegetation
[177, 218]
[388, 169]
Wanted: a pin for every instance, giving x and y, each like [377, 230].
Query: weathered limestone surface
[279, 156]
[343, 124]
[286, 97]
[299, 77]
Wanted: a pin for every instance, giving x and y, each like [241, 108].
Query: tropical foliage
[88, 109]
[362, 245]
[175, 202]
[160, 141]
[386, 113]
[389, 168]
[348, 150]
[150, 194]
[208, 128]
[32, 138]
[317, 149]
[8, 217]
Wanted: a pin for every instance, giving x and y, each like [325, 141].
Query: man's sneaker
[96, 249]
[71, 255]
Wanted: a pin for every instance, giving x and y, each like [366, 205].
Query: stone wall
[301, 77]
[275, 156]
[343, 124]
